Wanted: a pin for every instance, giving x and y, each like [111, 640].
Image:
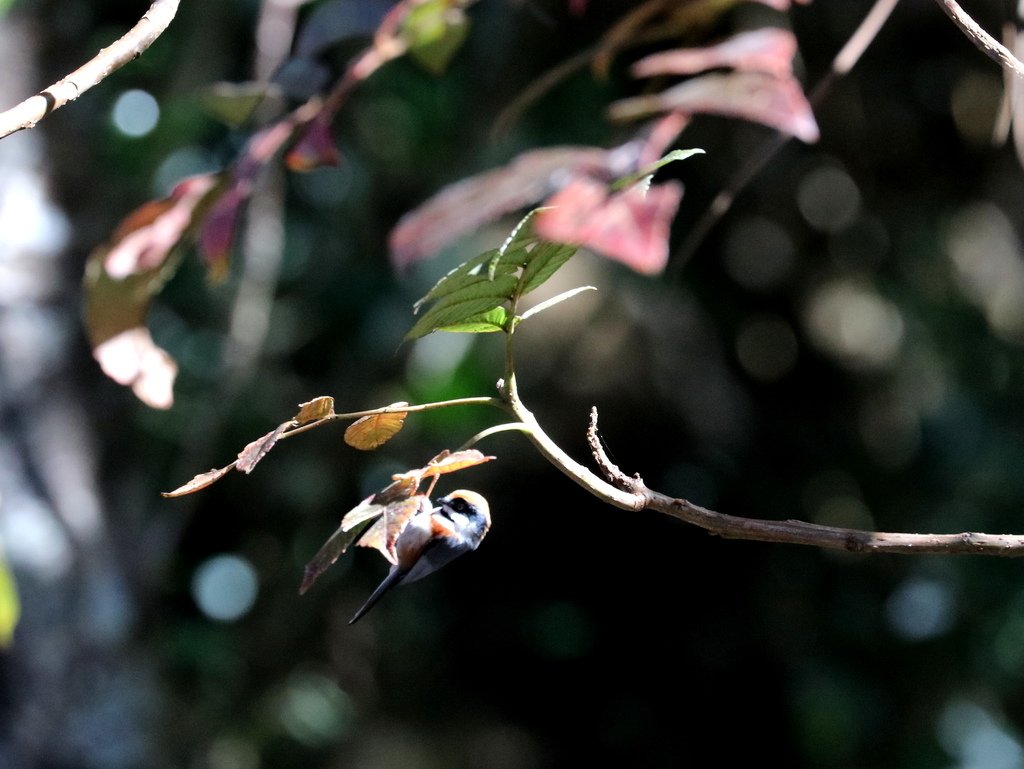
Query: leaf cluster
[481, 295]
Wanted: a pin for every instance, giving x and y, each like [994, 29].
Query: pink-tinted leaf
[768, 50]
[201, 481]
[466, 205]
[314, 147]
[133, 359]
[121, 277]
[144, 239]
[217, 233]
[778, 102]
[629, 226]
[255, 451]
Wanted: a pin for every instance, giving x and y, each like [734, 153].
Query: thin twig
[985, 42]
[108, 60]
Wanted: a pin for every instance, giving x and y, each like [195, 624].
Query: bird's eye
[459, 505]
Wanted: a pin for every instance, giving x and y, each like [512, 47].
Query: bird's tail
[393, 578]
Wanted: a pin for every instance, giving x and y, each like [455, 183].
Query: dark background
[843, 348]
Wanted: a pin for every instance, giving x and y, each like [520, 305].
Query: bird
[434, 537]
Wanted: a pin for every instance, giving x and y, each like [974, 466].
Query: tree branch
[127, 48]
[797, 532]
[985, 42]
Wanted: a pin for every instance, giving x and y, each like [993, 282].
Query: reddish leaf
[629, 226]
[255, 451]
[768, 50]
[450, 462]
[133, 359]
[315, 146]
[403, 485]
[778, 102]
[218, 229]
[146, 236]
[466, 205]
[383, 534]
[375, 430]
[201, 481]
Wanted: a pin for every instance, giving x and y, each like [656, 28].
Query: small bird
[434, 537]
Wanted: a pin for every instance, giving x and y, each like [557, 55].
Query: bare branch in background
[985, 42]
[108, 60]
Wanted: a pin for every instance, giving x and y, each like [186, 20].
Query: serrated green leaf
[476, 298]
[545, 260]
[522, 234]
[463, 275]
[486, 323]
[559, 298]
[644, 175]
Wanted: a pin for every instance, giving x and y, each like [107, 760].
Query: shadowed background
[844, 348]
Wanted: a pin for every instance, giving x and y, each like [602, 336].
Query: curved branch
[800, 532]
[982, 39]
[127, 48]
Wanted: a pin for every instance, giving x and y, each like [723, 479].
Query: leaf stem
[506, 427]
[482, 400]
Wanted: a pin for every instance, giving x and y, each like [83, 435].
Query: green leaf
[466, 274]
[235, 103]
[435, 30]
[556, 300]
[475, 298]
[545, 260]
[486, 323]
[10, 606]
[643, 175]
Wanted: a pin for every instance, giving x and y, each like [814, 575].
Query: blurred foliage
[845, 347]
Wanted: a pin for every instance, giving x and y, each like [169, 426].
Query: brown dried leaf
[383, 534]
[201, 481]
[448, 462]
[255, 451]
[375, 430]
[363, 512]
[316, 409]
[404, 486]
[331, 550]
